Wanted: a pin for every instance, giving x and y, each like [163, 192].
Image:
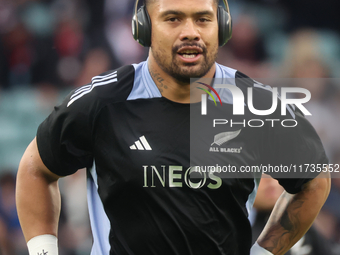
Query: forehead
[160, 6]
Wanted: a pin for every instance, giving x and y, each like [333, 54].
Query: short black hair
[148, 2]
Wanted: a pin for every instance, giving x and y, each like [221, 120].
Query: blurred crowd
[49, 47]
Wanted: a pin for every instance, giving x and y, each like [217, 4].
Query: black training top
[145, 150]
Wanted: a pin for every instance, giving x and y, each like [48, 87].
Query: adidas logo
[141, 144]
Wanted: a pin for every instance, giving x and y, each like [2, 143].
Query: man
[134, 124]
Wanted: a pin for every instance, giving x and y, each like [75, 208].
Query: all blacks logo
[176, 176]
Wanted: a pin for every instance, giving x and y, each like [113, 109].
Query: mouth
[190, 53]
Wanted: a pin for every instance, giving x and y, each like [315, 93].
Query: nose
[190, 31]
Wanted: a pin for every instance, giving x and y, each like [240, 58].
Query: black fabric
[298, 148]
[69, 129]
[153, 203]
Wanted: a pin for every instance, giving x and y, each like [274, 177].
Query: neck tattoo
[159, 81]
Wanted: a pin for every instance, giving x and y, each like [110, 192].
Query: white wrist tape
[43, 245]
[258, 250]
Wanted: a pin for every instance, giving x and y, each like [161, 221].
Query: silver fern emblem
[224, 137]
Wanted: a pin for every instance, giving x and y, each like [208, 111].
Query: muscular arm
[37, 195]
[293, 215]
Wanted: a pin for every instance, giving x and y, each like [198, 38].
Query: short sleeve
[64, 138]
[297, 148]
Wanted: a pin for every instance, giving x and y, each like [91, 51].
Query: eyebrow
[174, 12]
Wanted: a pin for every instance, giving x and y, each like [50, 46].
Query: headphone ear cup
[143, 33]
[224, 26]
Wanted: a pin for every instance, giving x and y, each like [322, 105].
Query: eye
[173, 19]
[203, 20]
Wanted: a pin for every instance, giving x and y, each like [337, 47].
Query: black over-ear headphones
[141, 25]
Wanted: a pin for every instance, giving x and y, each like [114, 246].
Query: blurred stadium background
[49, 47]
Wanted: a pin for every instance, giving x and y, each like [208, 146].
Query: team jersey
[144, 197]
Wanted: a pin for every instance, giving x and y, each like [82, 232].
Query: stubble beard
[182, 71]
